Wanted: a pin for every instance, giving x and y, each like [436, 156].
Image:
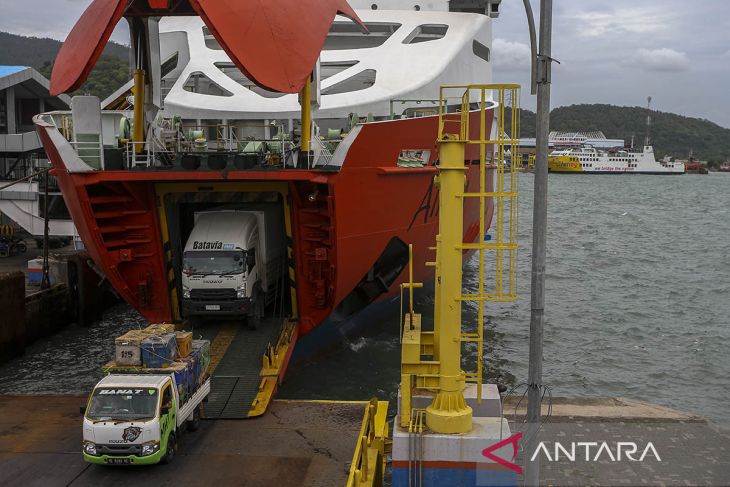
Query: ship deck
[297, 443]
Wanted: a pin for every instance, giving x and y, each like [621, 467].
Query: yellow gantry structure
[306, 102]
[139, 101]
[431, 361]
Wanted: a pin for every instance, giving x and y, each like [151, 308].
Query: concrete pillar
[483, 456]
[12, 324]
[10, 103]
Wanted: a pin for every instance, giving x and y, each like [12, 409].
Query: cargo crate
[193, 362]
[202, 347]
[128, 348]
[159, 350]
[184, 343]
[161, 328]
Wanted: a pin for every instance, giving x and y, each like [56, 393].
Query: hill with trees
[671, 134]
[111, 71]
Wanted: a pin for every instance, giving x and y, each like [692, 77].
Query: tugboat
[223, 114]
[695, 166]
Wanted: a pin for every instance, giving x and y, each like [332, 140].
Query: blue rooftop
[8, 70]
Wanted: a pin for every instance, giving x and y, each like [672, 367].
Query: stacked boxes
[158, 349]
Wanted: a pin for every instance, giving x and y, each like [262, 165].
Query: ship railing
[90, 151]
[228, 136]
[368, 462]
[144, 155]
[412, 108]
[321, 152]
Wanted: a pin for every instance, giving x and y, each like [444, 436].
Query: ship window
[361, 81]
[330, 69]
[210, 40]
[425, 33]
[480, 50]
[167, 67]
[232, 71]
[199, 83]
[347, 35]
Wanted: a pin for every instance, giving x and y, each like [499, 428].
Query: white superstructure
[412, 50]
[593, 160]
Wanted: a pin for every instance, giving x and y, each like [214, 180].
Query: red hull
[337, 237]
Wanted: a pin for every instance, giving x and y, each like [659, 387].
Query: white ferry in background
[590, 160]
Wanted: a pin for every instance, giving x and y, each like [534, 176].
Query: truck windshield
[113, 403]
[206, 263]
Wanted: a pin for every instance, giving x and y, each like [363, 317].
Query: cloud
[510, 54]
[625, 20]
[663, 59]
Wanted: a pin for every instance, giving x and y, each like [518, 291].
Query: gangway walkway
[236, 380]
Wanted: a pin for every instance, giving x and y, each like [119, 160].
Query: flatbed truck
[137, 419]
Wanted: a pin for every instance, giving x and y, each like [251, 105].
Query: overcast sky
[611, 51]
[621, 51]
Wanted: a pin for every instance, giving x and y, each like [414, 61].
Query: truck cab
[136, 419]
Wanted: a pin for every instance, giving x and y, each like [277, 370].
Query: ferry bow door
[178, 204]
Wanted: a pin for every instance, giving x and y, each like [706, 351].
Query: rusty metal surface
[295, 443]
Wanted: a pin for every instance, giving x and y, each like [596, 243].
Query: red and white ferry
[213, 119]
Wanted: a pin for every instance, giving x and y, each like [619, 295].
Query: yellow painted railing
[504, 161]
[486, 116]
[368, 462]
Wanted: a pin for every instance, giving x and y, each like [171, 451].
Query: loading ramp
[248, 370]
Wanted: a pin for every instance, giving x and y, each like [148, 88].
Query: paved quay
[311, 443]
[297, 443]
[685, 450]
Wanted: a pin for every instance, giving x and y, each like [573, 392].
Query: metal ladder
[503, 195]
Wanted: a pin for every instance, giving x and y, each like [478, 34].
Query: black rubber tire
[194, 425]
[252, 322]
[171, 447]
[22, 248]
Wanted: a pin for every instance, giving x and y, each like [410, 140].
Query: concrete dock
[687, 449]
[311, 443]
[297, 443]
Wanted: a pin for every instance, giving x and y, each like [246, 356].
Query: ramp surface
[235, 381]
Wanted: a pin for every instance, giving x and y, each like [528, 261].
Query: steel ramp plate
[235, 382]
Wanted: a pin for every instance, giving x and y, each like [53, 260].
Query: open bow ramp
[248, 368]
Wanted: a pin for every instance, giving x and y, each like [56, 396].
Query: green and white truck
[137, 419]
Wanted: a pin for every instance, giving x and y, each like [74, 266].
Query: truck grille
[213, 294]
[119, 450]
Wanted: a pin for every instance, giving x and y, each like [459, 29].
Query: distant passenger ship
[589, 160]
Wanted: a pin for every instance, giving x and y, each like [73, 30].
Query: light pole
[541, 64]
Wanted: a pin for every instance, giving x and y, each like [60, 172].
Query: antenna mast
[648, 121]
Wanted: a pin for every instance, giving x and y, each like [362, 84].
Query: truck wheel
[170, 453]
[252, 321]
[194, 424]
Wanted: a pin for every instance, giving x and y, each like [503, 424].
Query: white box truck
[232, 263]
[136, 419]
